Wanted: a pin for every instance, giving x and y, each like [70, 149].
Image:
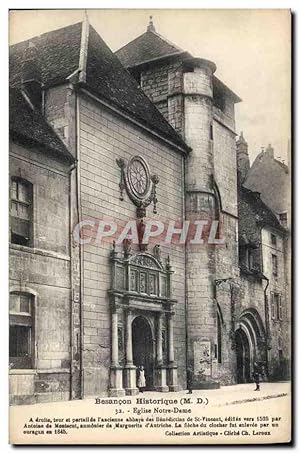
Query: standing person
[141, 379]
[189, 378]
[256, 373]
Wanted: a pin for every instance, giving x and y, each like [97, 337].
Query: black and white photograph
[150, 219]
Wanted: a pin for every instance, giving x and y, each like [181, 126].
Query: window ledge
[15, 371]
[23, 248]
[253, 272]
[53, 370]
[18, 371]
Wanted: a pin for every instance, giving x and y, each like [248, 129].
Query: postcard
[150, 226]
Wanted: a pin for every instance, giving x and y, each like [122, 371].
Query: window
[273, 239]
[21, 335]
[21, 211]
[276, 307]
[283, 218]
[216, 351]
[279, 307]
[250, 259]
[219, 97]
[138, 76]
[272, 306]
[275, 265]
[219, 349]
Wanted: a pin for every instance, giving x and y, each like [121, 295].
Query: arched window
[21, 211]
[21, 330]
[218, 209]
[219, 339]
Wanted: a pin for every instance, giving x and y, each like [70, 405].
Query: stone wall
[225, 171]
[105, 137]
[60, 112]
[56, 106]
[155, 84]
[44, 271]
[227, 265]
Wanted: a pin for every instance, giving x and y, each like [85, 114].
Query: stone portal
[142, 332]
[250, 346]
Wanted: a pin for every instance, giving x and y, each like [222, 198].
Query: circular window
[138, 177]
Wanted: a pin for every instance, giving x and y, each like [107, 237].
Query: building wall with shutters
[273, 245]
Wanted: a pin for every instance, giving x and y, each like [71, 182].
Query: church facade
[150, 137]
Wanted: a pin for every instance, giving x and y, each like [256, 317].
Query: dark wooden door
[143, 348]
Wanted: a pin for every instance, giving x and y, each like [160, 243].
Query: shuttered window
[275, 265]
[276, 306]
[21, 212]
[273, 310]
[21, 331]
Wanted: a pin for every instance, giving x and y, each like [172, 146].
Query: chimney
[31, 76]
[242, 157]
[151, 26]
[270, 151]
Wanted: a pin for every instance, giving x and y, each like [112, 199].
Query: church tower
[201, 108]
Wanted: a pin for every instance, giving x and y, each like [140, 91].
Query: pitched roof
[60, 56]
[271, 178]
[146, 47]
[264, 155]
[250, 204]
[107, 77]
[151, 46]
[29, 127]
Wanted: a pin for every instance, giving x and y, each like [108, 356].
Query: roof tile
[29, 126]
[250, 204]
[58, 55]
[147, 47]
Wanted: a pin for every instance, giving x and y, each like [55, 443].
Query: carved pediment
[142, 274]
[145, 260]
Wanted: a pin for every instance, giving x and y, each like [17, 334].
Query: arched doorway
[242, 357]
[250, 341]
[142, 344]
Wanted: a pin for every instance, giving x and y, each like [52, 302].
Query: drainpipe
[79, 211]
[267, 324]
[185, 272]
[73, 166]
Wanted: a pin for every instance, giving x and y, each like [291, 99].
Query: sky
[251, 49]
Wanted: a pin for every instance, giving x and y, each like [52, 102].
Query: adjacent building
[272, 179]
[264, 254]
[40, 279]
